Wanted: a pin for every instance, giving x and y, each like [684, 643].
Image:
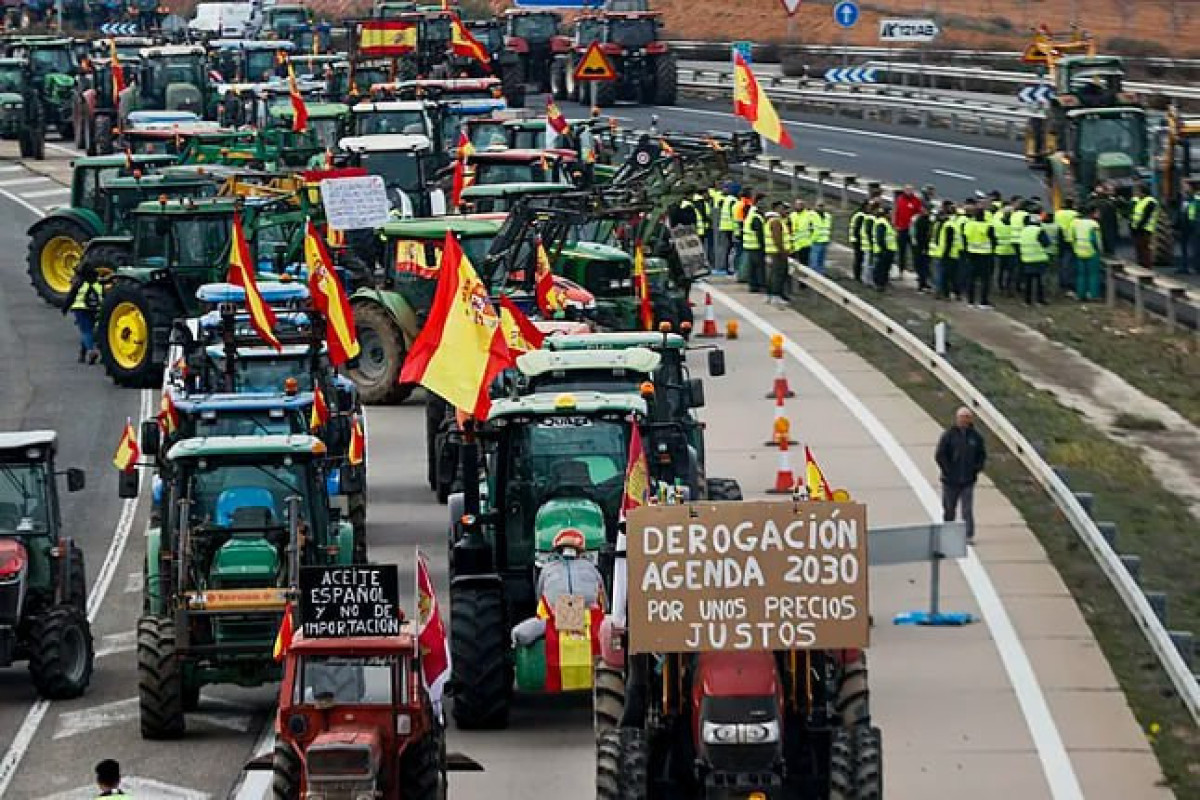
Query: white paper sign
[908, 30]
[355, 203]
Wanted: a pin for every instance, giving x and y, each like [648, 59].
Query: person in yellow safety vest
[725, 232]
[980, 239]
[753, 243]
[1054, 234]
[1085, 233]
[855, 238]
[800, 227]
[1033, 242]
[714, 197]
[867, 236]
[777, 247]
[740, 266]
[958, 248]
[1005, 227]
[941, 248]
[821, 225]
[1189, 241]
[693, 212]
[1142, 223]
[83, 301]
[884, 246]
[1065, 218]
[993, 206]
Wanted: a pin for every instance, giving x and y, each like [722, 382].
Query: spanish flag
[432, 637]
[461, 348]
[283, 639]
[168, 414]
[387, 38]
[299, 109]
[358, 443]
[118, 73]
[814, 479]
[570, 654]
[555, 117]
[128, 452]
[329, 298]
[550, 299]
[637, 473]
[461, 177]
[463, 42]
[241, 273]
[752, 103]
[519, 331]
[665, 146]
[642, 284]
[320, 410]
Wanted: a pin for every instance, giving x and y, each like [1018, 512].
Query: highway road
[1020, 704]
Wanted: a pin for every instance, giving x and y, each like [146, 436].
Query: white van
[230, 20]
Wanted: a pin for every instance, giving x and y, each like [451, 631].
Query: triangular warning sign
[595, 66]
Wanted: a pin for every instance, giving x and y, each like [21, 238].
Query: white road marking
[116, 643]
[119, 712]
[833, 152]
[958, 175]
[255, 783]
[37, 712]
[70, 151]
[12, 168]
[136, 787]
[134, 582]
[25, 181]
[1056, 765]
[47, 192]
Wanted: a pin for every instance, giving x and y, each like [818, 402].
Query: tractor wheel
[382, 356]
[606, 94]
[723, 489]
[853, 702]
[608, 766]
[868, 763]
[285, 773]
[1163, 242]
[512, 79]
[608, 699]
[666, 80]
[61, 654]
[423, 769]
[24, 143]
[37, 148]
[575, 89]
[842, 773]
[160, 680]
[483, 675]
[632, 777]
[129, 316]
[77, 593]
[102, 138]
[107, 256]
[54, 252]
[358, 521]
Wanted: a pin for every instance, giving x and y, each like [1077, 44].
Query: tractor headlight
[12, 106]
[720, 733]
[761, 732]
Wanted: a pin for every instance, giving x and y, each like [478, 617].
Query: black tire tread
[422, 773]
[482, 677]
[37, 242]
[608, 766]
[388, 390]
[853, 702]
[868, 763]
[841, 765]
[666, 80]
[285, 773]
[160, 310]
[608, 699]
[46, 666]
[160, 680]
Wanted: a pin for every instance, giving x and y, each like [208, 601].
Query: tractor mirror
[76, 479]
[352, 480]
[127, 484]
[716, 362]
[695, 393]
[151, 435]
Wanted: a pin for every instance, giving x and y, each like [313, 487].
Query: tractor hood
[559, 514]
[1114, 165]
[594, 251]
[57, 83]
[247, 559]
[341, 756]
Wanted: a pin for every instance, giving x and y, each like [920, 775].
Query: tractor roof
[514, 189]
[122, 160]
[217, 351]
[23, 440]
[168, 50]
[213, 404]
[357, 645]
[476, 106]
[633, 359]
[450, 85]
[13, 62]
[386, 142]
[528, 12]
[42, 41]
[434, 228]
[558, 403]
[251, 44]
[317, 110]
[368, 106]
[271, 291]
[189, 206]
[296, 444]
[616, 341]
[518, 155]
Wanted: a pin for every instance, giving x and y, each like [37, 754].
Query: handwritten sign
[349, 601]
[355, 203]
[747, 576]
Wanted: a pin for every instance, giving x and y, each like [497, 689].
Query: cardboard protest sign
[349, 601]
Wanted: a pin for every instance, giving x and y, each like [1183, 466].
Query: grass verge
[1152, 522]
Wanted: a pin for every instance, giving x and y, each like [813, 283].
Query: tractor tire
[622, 763]
[102, 138]
[723, 489]
[77, 591]
[1162, 243]
[285, 773]
[160, 680]
[483, 675]
[666, 80]
[55, 249]
[129, 316]
[868, 763]
[24, 144]
[608, 699]
[37, 149]
[608, 766]
[842, 771]
[423, 769]
[606, 94]
[61, 653]
[358, 521]
[107, 256]
[853, 703]
[382, 356]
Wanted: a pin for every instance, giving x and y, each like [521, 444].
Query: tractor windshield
[412, 121]
[529, 138]
[535, 27]
[436, 30]
[261, 64]
[165, 72]
[347, 680]
[571, 456]
[228, 494]
[488, 173]
[417, 263]
[282, 19]
[1113, 133]
[180, 241]
[12, 79]
[252, 423]
[326, 131]
[632, 32]
[587, 380]
[46, 60]
[399, 169]
[266, 375]
[23, 498]
[488, 134]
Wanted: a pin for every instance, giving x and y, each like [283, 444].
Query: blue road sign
[850, 75]
[743, 49]
[845, 13]
[1036, 94]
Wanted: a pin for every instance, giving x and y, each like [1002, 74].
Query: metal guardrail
[1131, 595]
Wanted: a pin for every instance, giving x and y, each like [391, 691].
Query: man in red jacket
[908, 205]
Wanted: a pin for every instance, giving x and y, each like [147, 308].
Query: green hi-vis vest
[1030, 243]
[976, 234]
[750, 240]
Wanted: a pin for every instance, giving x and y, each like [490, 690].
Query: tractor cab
[520, 166]
[127, 46]
[499, 198]
[452, 115]
[411, 117]
[53, 64]
[249, 60]
[174, 78]
[406, 162]
[280, 19]
[392, 9]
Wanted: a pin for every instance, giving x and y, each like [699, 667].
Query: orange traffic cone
[709, 331]
[780, 383]
[785, 479]
[781, 427]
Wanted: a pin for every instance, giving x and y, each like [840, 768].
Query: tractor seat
[242, 506]
[573, 473]
[10, 516]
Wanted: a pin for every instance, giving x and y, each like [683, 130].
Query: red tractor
[355, 721]
[533, 37]
[646, 69]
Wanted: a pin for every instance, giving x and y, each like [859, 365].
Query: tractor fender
[560, 44]
[397, 307]
[612, 650]
[83, 217]
[345, 542]
[151, 586]
[102, 241]
[656, 48]
[517, 44]
[135, 274]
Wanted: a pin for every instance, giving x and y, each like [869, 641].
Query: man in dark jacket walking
[960, 456]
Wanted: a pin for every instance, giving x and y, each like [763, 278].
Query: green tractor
[21, 114]
[43, 590]
[54, 66]
[174, 78]
[240, 516]
[104, 189]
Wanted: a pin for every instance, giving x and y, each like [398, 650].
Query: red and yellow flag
[461, 348]
[128, 452]
[241, 273]
[519, 331]
[751, 103]
[358, 443]
[168, 414]
[432, 636]
[642, 285]
[287, 631]
[461, 177]
[570, 654]
[320, 410]
[118, 73]
[387, 38]
[299, 109]
[550, 299]
[555, 117]
[814, 478]
[637, 473]
[666, 148]
[463, 42]
[329, 298]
